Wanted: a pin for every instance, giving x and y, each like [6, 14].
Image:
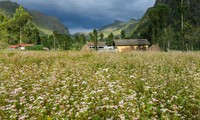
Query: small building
[131, 44]
[100, 46]
[19, 47]
[13, 47]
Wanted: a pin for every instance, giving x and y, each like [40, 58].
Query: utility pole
[182, 26]
[20, 36]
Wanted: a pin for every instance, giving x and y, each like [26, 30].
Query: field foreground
[76, 85]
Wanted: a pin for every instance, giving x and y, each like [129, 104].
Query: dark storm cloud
[89, 14]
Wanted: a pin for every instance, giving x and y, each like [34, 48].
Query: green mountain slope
[117, 26]
[177, 30]
[191, 8]
[46, 24]
[191, 15]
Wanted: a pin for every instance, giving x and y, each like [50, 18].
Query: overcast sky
[84, 15]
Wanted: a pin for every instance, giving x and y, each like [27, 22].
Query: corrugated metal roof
[128, 42]
[20, 45]
[98, 44]
[13, 46]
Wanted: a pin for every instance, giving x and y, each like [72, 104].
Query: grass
[89, 85]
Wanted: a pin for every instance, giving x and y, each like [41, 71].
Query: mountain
[117, 26]
[178, 28]
[191, 8]
[44, 23]
[47, 24]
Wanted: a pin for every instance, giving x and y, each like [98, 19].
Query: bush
[3, 45]
[35, 47]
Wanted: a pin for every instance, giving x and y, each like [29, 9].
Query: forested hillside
[46, 24]
[173, 24]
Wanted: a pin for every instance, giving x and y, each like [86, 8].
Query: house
[13, 47]
[19, 47]
[101, 46]
[131, 44]
[23, 46]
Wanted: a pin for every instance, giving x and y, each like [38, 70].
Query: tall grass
[78, 85]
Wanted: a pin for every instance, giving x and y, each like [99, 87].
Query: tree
[95, 34]
[192, 37]
[11, 28]
[79, 41]
[5, 29]
[55, 35]
[21, 17]
[158, 17]
[1, 18]
[82, 39]
[101, 36]
[37, 36]
[31, 34]
[110, 38]
[3, 44]
[91, 37]
[167, 39]
[123, 36]
[94, 38]
[183, 9]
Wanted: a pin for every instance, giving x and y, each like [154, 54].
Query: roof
[127, 42]
[13, 46]
[98, 44]
[20, 45]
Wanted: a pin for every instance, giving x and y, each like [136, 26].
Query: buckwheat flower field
[89, 85]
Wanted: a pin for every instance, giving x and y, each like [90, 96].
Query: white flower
[132, 76]
[93, 92]
[174, 97]
[112, 91]
[84, 83]
[98, 91]
[154, 100]
[164, 110]
[122, 116]
[75, 85]
[110, 118]
[121, 103]
[106, 98]
[40, 97]
[106, 69]
[22, 117]
[142, 79]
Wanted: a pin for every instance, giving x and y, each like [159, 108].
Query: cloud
[89, 13]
